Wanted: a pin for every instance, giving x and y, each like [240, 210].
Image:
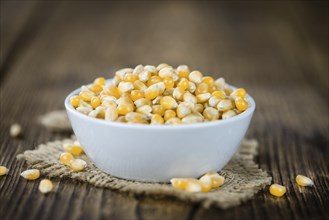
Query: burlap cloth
[243, 178]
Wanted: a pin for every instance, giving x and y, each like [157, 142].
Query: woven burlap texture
[243, 178]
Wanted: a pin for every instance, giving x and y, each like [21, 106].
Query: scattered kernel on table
[78, 165]
[3, 170]
[277, 190]
[73, 148]
[31, 174]
[304, 181]
[162, 95]
[15, 130]
[66, 158]
[45, 186]
[216, 179]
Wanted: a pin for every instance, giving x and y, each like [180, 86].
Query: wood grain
[277, 50]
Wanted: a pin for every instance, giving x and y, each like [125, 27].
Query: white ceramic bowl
[157, 153]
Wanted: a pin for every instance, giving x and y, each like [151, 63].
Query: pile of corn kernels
[160, 95]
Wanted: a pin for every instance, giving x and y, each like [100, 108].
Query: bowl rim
[248, 112]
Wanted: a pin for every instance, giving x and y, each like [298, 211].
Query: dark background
[277, 50]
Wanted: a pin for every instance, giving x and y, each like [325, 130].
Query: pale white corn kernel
[144, 76]
[85, 89]
[224, 105]
[31, 174]
[113, 82]
[78, 165]
[162, 65]
[124, 100]
[107, 98]
[166, 72]
[199, 108]
[206, 183]
[111, 114]
[84, 110]
[93, 114]
[193, 185]
[121, 119]
[183, 109]
[195, 76]
[15, 130]
[173, 121]
[143, 101]
[304, 181]
[188, 97]
[175, 77]
[3, 170]
[125, 87]
[136, 117]
[220, 83]
[109, 103]
[203, 97]
[138, 69]
[191, 87]
[157, 100]
[192, 118]
[216, 179]
[183, 68]
[145, 109]
[178, 94]
[213, 101]
[122, 72]
[45, 186]
[151, 69]
[228, 114]
[211, 113]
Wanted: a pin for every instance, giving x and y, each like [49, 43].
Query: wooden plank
[267, 48]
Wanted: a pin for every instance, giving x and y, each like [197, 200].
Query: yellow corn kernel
[195, 76]
[129, 77]
[166, 72]
[138, 69]
[211, 113]
[277, 190]
[178, 93]
[153, 80]
[213, 88]
[120, 74]
[183, 71]
[156, 101]
[191, 87]
[304, 181]
[125, 109]
[201, 88]
[45, 186]
[139, 85]
[168, 102]
[209, 81]
[145, 109]
[124, 100]
[95, 88]
[173, 121]
[188, 97]
[78, 165]
[224, 105]
[169, 82]
[3, 170]
[228, 114]
[86, 96]
[201, 98]
[183, 109]
[66, 158]
[100, 81]
[192, 118]
[183, 84]
[158, 109]
[168, 114]
[111, 113]
[154, 90]
[31, 174]
[206, 183]
[228, 91]
[112, 91]
[95, 102]
[193, 185]
[74, 148]
[241, 92]
[216, 179]
[157, 119]
[219, 94]
[75, 101]
[179, 183]
[135, 117]
[143, 101]
[199, 108]
[121, 119]
[136, 94]
[241, 104]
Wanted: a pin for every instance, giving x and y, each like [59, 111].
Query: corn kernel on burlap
[243, 178]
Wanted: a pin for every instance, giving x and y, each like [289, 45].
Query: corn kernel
[168, 102]
[201, 88]
[192, 118]
[161, 66]
[125, 87]
[277, 190]
[199, 108]
[201, 98]
[136, 117]
[183, 109]
[219, 94]
[121, 119]
[66, 158]
[173, 121]
[166, 72]
[188, 97]
[3, 170]
[122, 72]
[206, 183]
[191, 87]
[211, 113]
[154, 80]
[86, 96]
[241, 92]
[213, 101]
[143, 101]
[95, 88]
[138, 69]
[144, 76]
[74, 149]
[100, 81]
[139, 85]
[183, 84]
[125, 109]
[78, 165]
[154, 90]
[216, 179]
[168, 114]
[158, 109]
[193, 185]
[195, 76]
[145, 109]
[208, 80]
[241, 104]
[31, 174]
[112, 91]
[224, 105]
[95, 102]
[304, 181]
[157, 119]
[183, 71]
[75, 100]
[157, 100]
[179, 183]
[220, 83]
[111, 114]
[45, 186]
[15, 130]
[178, 93]
[130, 77]
[169, 82]
[136, 94]
[151, 69]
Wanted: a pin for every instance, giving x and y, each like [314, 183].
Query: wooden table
[277, 50]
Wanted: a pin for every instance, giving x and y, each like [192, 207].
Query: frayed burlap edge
[243, 178]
